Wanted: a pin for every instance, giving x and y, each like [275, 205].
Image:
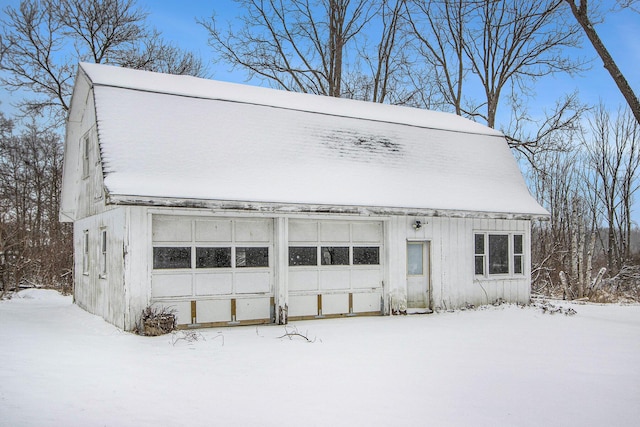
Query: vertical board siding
[453, 283]
[102, 294]
[127, 288]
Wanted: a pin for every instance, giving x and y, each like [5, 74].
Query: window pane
[171, 258]
[332, 255]
[517, 244]
[104, 241]
[517, 264]
[303, 255]
[479, 244]
[479, 264]
[252, 257]
[414, 259]
[213, 257]
[498, 254]
[366, 255]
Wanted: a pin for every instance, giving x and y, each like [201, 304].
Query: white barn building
[237, 204]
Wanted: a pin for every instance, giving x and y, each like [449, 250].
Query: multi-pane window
[517, 254]
[334, 255]
[209, 257]
[498, 254]
[303, 255]
[213, 257]
[171, 257]
[369, 255]
[252, 257]
[479, 253]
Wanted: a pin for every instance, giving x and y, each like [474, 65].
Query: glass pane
[479, 244]
[303, 255]
[479, 264]
[171, 258]
[517, 264]
[332, 255]
[498, 254]
[517, 244]
[414, 259]
[213, 257]
[252, 257]
[104, 241]
[366, 255]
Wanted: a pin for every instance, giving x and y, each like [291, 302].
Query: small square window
[171, 257]
[366, 255]
[213, 257]
[252, 257]
[303, 255]
[332, 255]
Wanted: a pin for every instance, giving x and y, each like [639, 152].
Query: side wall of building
[99, 267]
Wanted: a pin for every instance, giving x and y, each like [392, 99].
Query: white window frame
[511, 254]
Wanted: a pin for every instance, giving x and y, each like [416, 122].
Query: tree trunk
[580, 13]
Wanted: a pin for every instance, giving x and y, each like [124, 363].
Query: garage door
[335, 268]
[213, 270]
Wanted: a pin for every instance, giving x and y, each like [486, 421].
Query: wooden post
[233, 310]
[319, 305]
[193, 312]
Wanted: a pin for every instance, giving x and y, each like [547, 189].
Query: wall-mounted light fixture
[417, 225]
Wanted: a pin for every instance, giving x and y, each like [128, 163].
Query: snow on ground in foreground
[500, 366]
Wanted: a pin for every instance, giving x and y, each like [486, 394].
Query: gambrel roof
[166, 137]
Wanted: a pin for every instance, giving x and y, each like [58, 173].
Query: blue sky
[176, 19]
[620, 33]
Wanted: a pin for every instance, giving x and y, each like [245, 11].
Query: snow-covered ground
[499, 366]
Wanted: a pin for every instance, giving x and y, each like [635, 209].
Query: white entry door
[418, 275]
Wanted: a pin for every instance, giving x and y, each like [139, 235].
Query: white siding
[100, 294]
[453, 282]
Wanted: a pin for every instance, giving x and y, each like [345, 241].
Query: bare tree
[42, 41]
[296, 45]
[439, 29]
[501, 44]
[100, 27]
[613, 155]
[531, 137]
[32, 37]
[383, 64]
[581, 11]
[155, 54]
[35, 248]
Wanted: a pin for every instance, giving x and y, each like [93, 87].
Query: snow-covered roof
[168, 136]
